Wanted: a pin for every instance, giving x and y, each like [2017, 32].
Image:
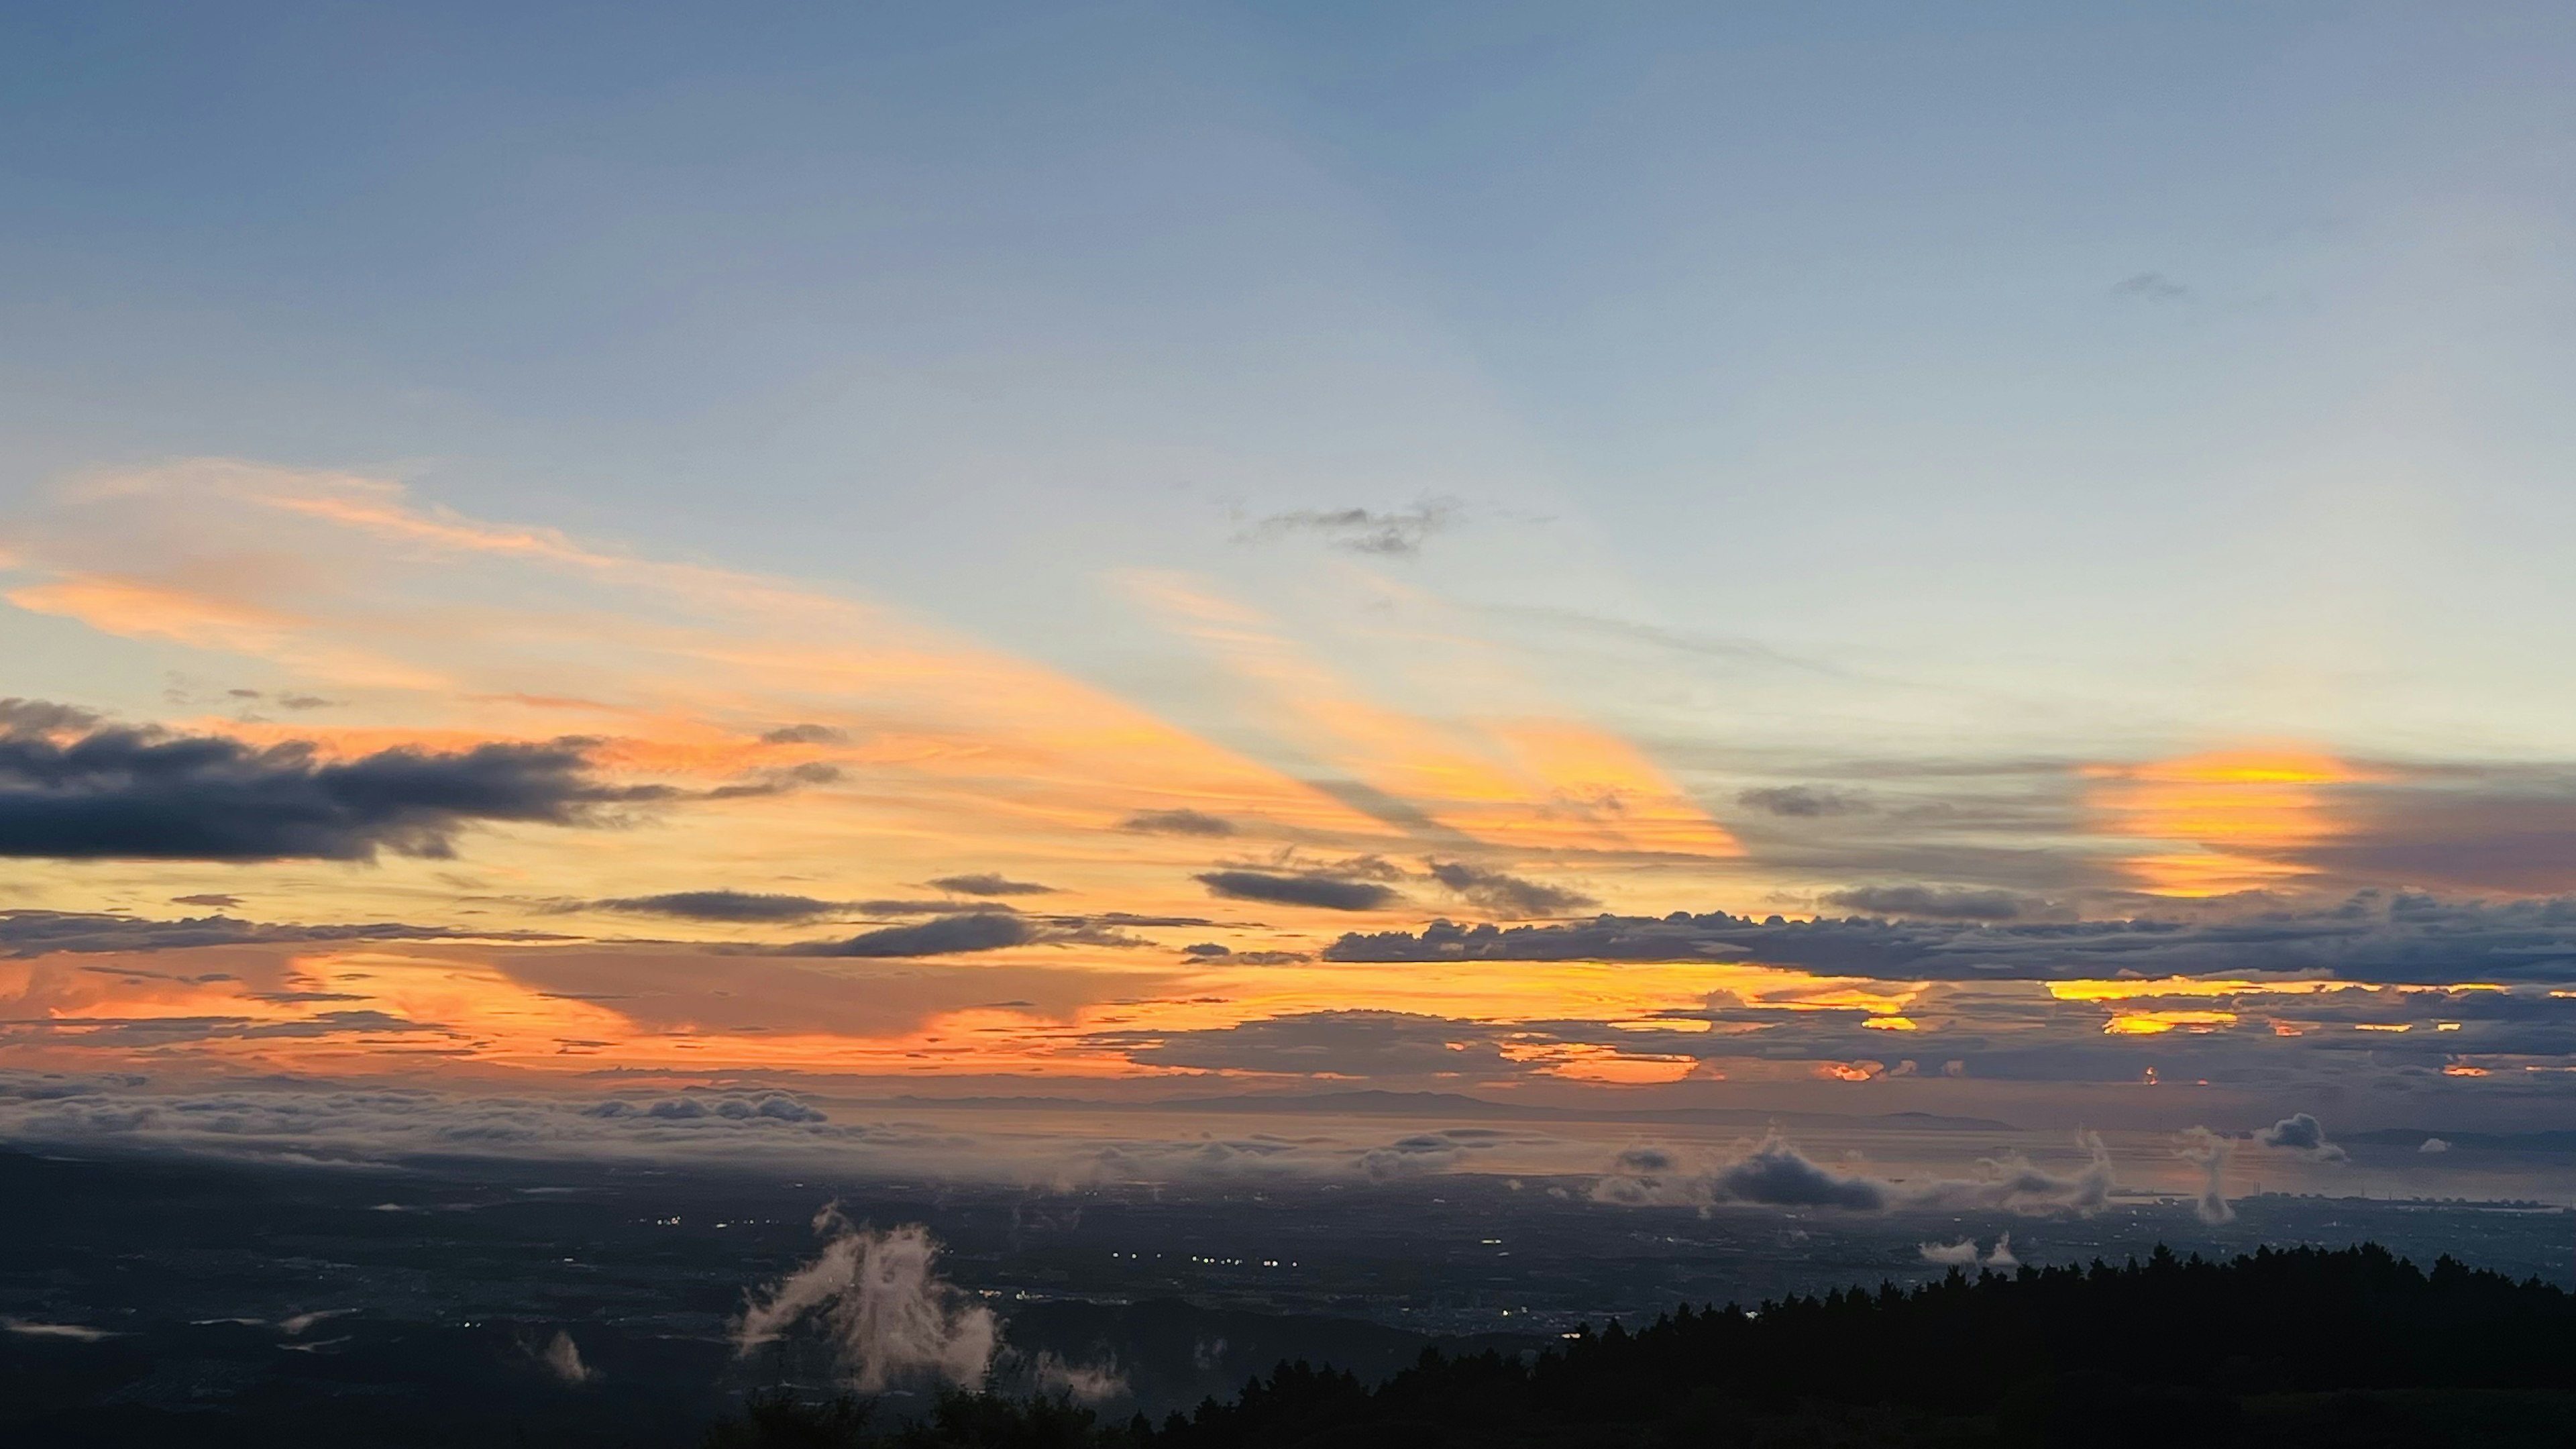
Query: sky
[2003, 560]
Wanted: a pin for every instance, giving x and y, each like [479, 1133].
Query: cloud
[931, 908]
[1507, 895]
[991, 883]
[563, 1359]
[378, 1125]
[2434, 1144]
[1334, 1043]
[2002, 1257]
[43, 717]
[211, 901]
[774, 1106]
[2302, 1134]
[970, 931]
[1774, 1172]
[775, 782]
[1779, 1175]
[744, 907]
[25, 933]
[805, 734]
[1929, 902]
[2373, 936]
[1053, 1377]
[119, 793]
[1332, 893]
[1393, 533]
[2013, 1183]
[2209, 1152]
[1802, 802]
[76, 1332]
[2150, 287]
[1177, 822]
[1961, 1254]
[891, 1318]
[1415, 1156]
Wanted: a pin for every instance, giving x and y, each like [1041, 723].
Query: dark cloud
[211, 902]
[1776, 1174]
[2494, 831]
[26, 933]
[745, 907]
[1361, 530]
[805, 734]
[2373, 936]
[1329, 892]
[43, 717]
[120, 793]
[163, 1031]
[1802, 801]
[991, 883]
[776, 1106]
[976, 931]
[1177, 822]
[1507, 895]
[2150, 287]
[306, 701]
[777, 782]
[1335, 1043]
[1929, 902]
[2303, 1134]
[1424, 1152]
[931, 908]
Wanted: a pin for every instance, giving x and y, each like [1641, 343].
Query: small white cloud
[2434, 1144]
[563, 1358]
[77, 1332]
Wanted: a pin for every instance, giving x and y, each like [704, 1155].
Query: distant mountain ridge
[1378, 1103]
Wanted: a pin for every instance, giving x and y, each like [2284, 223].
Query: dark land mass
[1458, 1107]
[175, 1300]
[2304, 1347]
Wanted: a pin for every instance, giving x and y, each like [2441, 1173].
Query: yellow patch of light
[1892, 1023]
[2126, 990]
[2241, 816]
[2383, 1026]
[1585, 1062]
[2156, 1023]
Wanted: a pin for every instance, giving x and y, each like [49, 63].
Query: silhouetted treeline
[2297, 1347]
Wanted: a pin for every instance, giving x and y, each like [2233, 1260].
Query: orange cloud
[2233, 821]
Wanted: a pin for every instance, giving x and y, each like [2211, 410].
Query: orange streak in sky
[2240, 817]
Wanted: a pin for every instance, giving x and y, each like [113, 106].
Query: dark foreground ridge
[2354, 1347]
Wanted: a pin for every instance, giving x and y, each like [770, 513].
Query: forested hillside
[2300, 1347]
